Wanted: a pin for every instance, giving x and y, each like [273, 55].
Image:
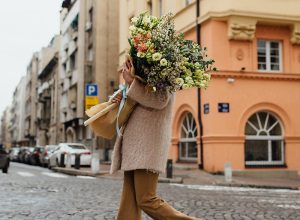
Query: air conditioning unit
[88, 26]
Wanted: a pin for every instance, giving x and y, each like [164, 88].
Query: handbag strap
[123, 88]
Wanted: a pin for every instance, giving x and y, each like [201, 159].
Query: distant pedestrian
[142, 152]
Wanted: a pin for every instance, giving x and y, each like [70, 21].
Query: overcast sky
[25, 27]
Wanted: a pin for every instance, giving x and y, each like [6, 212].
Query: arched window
[188, 140]
[264, 140]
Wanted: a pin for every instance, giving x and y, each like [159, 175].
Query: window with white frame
[264, 143]
[188, 150]
[269, 56]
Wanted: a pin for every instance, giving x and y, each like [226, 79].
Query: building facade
[48, 124]
[88, 55]
[31, 101]
[249, 114]
[5, 125]
[17, 114]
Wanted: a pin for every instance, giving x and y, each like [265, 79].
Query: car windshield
[51, 147]
[77, 147]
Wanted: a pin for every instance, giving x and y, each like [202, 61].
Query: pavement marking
[289, 206]
[233, 189]
[56, 175]
[86, 177]
[26, 174]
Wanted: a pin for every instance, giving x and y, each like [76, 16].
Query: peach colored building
[250, 114]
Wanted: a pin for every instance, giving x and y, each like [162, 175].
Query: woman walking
[142, 152]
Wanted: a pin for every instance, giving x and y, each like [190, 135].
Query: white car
[69, 150]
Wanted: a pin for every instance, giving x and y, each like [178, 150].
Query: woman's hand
[127, 72]
[117, 98]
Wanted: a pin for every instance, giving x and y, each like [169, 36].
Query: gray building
[48, 124]
[31, 100]
[89, 54]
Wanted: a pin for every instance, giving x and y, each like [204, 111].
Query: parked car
[27, 155]
[21, 154]
[34, 156]
[13, 155]
[4, 160]
[46, 154]
[69, 150]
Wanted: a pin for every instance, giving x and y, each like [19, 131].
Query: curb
[74, 172]
[257, 186]
[102, 174]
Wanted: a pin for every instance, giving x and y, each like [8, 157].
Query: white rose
[134, 19]
[163, 62]
[156, 56]
[146, 20]
[185, 86]
[179, 81]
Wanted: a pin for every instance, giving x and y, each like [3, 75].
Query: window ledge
[267, 166]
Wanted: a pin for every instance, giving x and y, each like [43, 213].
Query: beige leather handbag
[104, 117]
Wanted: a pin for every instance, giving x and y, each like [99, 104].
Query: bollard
[77, 161]
[95, 163]
[170, 168]
[228, 172]
[69, 161]
[62, 160]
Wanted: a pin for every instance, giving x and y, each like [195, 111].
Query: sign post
[91, 95]
[91, 99]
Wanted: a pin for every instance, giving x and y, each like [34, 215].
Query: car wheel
[57, 163]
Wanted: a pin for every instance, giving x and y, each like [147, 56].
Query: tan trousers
[139, 193]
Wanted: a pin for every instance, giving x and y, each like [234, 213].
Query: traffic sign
[91, 95]
[223, 107]
[91, 90]
[206, 108]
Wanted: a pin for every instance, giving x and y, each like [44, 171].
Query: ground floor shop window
[188, 148]
[264, 145]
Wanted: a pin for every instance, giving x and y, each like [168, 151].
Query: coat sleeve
[138, 93]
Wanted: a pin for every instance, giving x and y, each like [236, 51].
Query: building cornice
[216, 139]
[242, 24]
[266, 17]
[292, 139]
[256, 75]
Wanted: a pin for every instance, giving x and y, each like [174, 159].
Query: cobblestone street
[29, 192]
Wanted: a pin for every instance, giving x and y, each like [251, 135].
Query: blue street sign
[206, 108]
[223, 107]
[91, 90]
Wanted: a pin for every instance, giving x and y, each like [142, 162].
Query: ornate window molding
[241, 28]
[295, 38]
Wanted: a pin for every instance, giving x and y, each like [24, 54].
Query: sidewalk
[193, 176]
[200, 177]
[104, 173]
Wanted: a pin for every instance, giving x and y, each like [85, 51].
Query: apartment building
[17, 119]
[249, 116]
[5, 124]
[88, 55]
[48, 124]
[31, 101]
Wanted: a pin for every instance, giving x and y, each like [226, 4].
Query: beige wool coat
[147, 134]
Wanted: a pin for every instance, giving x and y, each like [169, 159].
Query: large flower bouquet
[163, 59]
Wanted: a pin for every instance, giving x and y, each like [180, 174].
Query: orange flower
[149, 35]
[142, 47]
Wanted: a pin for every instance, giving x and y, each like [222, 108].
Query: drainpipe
[198, 30]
